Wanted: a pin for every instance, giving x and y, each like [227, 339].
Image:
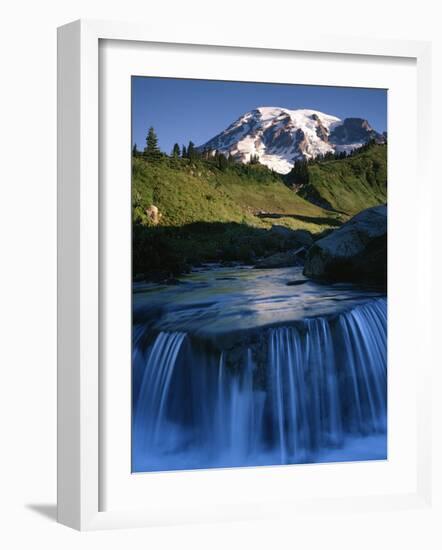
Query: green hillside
[219, 210]
[213, 214]
[349, 185]
[197, 191]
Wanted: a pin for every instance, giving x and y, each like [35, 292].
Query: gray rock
[281, 231]
[153, 214]
[356, 252]
[281, 259]
[303, 237]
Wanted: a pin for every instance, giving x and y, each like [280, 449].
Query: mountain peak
[279, 136]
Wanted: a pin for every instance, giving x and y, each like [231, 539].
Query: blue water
[233, 367]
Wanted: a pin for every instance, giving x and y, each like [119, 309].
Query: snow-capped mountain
[279, 137]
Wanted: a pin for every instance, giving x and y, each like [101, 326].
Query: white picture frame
[80, 294]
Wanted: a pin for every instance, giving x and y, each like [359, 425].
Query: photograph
[259, 274]
[222, 276]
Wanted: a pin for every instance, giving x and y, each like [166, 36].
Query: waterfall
[328, 379]
[304, 390]
[315, 387]
[237, 422]
[150, 419]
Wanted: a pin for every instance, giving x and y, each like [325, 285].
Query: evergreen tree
[222, 162]
[231, 159]
[184, 152]
[211, 154]
[330, 156]
[192, 153]
[134, 150]
[176, 151]
[298, 175]
[152, 151]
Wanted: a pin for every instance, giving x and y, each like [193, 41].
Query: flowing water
[233, 367]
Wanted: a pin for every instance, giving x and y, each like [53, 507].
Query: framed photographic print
[259, 310]
[225, 345]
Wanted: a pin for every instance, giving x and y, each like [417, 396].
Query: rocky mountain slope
[277, 137]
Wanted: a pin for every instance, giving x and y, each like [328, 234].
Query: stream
[246, 367]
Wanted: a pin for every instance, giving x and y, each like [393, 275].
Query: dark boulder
[296, 282]
[290, 258]
[299, 236]
[303, 237]
[356, 252]
[281, 231]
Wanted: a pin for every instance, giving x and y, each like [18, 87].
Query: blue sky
[181, 110]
